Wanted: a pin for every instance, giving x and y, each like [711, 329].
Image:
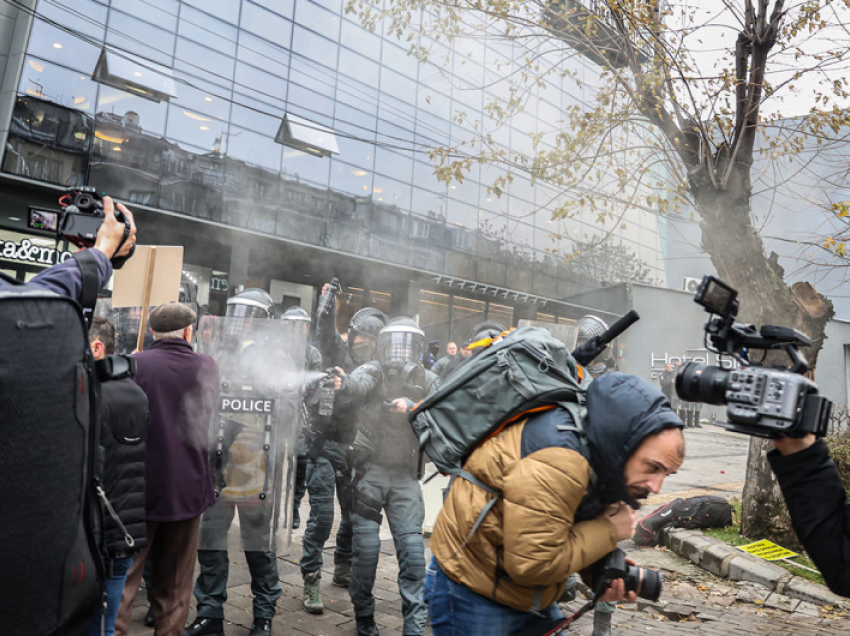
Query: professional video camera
[79, 220]
[771, 402]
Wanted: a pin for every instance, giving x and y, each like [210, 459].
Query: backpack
[527, 371]
[51, 559]
[696, 512]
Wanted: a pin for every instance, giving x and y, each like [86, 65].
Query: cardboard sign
[767, 550]
[150, 278]
[155, 270]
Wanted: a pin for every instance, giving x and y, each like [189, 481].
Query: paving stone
[755, 595]
[782, 602]
[805, 590]
[750, 569]
[807, 609]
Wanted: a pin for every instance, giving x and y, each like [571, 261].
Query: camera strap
[557, 626]
[91, 283]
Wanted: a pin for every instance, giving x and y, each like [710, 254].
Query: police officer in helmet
[327, 466]
[239, 353]
[387, 468]
[481, 333]
[588, 327]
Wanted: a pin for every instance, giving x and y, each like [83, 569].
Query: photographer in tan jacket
[565, 505]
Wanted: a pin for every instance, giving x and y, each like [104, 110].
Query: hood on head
[621, 411]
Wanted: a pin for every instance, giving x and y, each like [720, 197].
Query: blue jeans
[455, 610]
[114, 586]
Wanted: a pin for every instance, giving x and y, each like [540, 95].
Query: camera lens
[643, 582]
[702, 383]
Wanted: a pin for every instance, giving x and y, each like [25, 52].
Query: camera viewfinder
[716, 296]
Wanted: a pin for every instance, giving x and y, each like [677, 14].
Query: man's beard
[637, 492]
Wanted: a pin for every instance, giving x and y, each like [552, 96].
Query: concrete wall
[831, 374]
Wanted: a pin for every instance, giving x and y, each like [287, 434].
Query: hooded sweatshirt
[546, 525]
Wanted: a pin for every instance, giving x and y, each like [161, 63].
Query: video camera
[79, 220]
[761, 401]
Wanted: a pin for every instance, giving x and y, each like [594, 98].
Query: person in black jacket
[816, 498]
[124, 416]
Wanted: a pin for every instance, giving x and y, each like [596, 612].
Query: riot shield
[253, 435]
[568, 334]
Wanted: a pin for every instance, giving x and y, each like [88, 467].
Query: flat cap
[171, 317]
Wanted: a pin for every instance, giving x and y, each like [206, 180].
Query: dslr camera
[762, 401]
[642, 581]
[79, 220]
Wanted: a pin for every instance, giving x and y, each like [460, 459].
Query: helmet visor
[400, 346]
[238, 310]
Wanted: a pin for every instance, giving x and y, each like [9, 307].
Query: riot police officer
[484, 331]
[248, 459]
[327, 467]
[387, 466]
[298, 322]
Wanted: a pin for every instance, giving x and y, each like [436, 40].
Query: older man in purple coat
[182, 387]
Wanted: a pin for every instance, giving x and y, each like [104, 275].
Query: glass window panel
[55, 45]
[435, 130]
[393, 165]
[353, 93]
[202, 96]
[58, 85]
[433, 102]
[192, 181]
[255, 149]
[224, 9]
[359, 152]
[265, 24]
[423, 176]
[312, 75]
[249, 115]
[355, 121]
[317, 19]
[283, 7]
[466, 314]
[160, 12]
[266, 87]
[83, 16]
[469, 100]
[207, 30]
[359, 68]
[306, 166]
[503, 314]
[461, 214]
[434, 316]
[128, 170]
[467, 192]
[310, 105]
[195, 59]
[194, 128]
[140, 38]
[351, 179]
[265, 55]
[135, 112]
[398, 59]
[398, 85]
[492, 225]
[331, 5]
[429, 204]
[315, 47]
[391, 192]
[357, 38]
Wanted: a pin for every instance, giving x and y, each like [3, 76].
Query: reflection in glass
[434, 316]
[318, 19]
[351, 179]
[140, 38]
[306, 166]
[203, 62]
[466, 314]
[503, 314]
[160, 12]
[192, 181]
[50, 43]
[55, 84]
[131, 110]
[315, 47]
[195, 128]
[391, 192]
[266, 24]
[356, 38]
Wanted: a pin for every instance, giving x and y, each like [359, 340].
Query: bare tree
[683, 99]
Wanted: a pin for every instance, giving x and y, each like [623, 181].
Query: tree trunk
[737, 252]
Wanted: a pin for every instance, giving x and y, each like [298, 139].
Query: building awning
[307, 136]
[134, 75]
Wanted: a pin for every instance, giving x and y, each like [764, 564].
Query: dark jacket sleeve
[331, 345]
[66, 279]
[815, 496]
[359, 385]
[314, 359]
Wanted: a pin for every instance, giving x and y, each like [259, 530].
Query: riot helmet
[589, 327]
[297, 321]
[367, 323]
[401, 342]
[251, 303]
[487, 329]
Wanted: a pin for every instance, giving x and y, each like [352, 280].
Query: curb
[723, 560]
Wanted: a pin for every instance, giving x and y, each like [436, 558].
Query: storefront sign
[218, 283]
[26, 252]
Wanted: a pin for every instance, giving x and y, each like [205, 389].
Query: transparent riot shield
[253, 435]
[126, 322]
[568, 334]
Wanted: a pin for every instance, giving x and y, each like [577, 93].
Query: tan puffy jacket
[528, 544]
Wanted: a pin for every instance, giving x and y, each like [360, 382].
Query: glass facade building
[185, 122]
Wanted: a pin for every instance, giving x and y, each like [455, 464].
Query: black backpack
[52, 567]
[697, 512]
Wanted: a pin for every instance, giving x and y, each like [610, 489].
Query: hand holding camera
[110, 235]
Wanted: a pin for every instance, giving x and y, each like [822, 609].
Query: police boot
[601, 624]
[261, 627]
[149, 621]
[342, 574]
[312, 599]
[366, 626]
[205, 627]
[245, 473]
